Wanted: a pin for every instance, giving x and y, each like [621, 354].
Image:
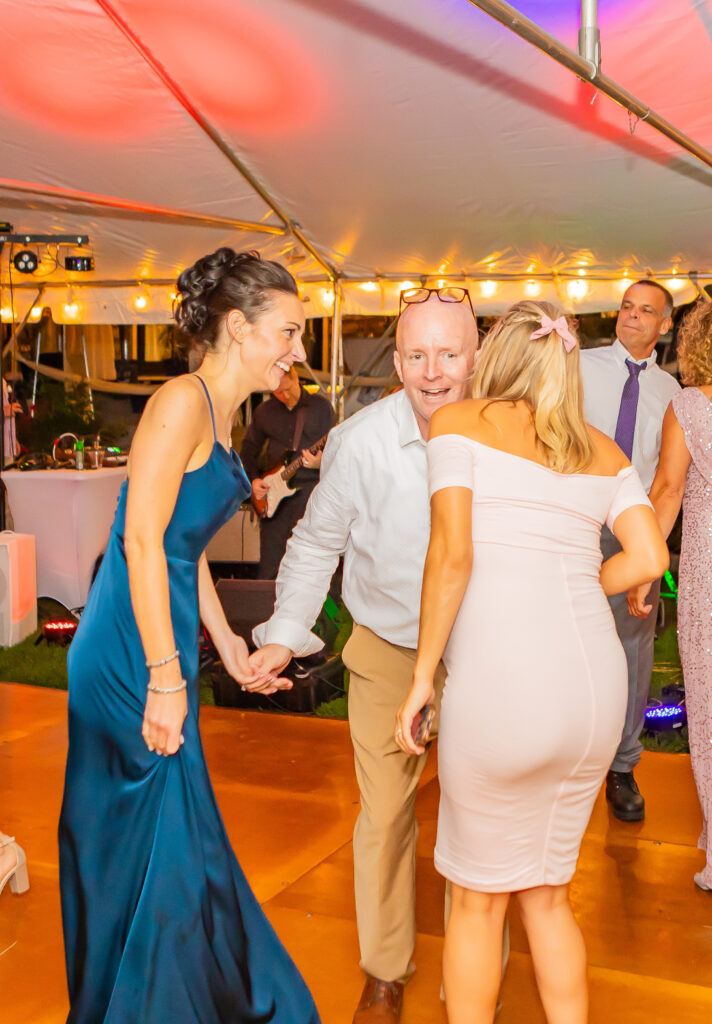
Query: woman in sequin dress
[684, 477]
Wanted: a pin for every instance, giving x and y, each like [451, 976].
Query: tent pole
[337, 355]
[513, 19]
[215, 136]
[10, 347]
[131, 206]
[589, 37]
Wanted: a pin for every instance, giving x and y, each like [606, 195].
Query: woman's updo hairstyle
[222, 281]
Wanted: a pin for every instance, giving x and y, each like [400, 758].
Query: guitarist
[287, 424]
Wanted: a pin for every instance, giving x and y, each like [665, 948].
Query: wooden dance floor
[288, 795]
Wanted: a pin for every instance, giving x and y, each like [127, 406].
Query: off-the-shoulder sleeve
[693, 411]
[628, 491]
[450, 462]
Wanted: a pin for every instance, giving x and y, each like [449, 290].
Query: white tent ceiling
[405, 139]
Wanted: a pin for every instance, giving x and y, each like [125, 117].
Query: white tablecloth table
[70, 513]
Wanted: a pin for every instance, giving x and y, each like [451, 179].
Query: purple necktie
[625, 427]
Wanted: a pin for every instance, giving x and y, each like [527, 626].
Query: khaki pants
[386, 829]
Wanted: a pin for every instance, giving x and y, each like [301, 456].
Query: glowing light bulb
[6, 313]
[675, 284]
[531, 268]
[581, 273]
[405, 285]
[577, 289]
[36, 312]
[369, 286]
[488, 288]
[327, 295]
[440, 283]
[532, 289]
[140, 302]
[623, 284]
[71, 309]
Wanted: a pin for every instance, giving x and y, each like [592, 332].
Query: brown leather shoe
[381, 1002]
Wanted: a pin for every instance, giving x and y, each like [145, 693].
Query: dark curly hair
[222, 281]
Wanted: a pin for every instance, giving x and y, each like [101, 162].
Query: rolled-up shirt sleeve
[312, 555]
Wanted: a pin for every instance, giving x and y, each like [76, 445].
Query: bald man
[371, 506]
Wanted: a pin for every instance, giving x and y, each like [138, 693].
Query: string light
[532, 289]
[36, 312]
[6, 313]
[577, 289]
[327, 295]
[71, 306]
[488, 288]
[140, 301]
[674, 284]
[369, 286]
[405, 285]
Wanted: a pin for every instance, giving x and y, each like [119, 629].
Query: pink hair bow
[560, 326]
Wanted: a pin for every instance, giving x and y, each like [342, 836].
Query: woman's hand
[163, 718]
[422, 692]
[636, 601]
[252, 676]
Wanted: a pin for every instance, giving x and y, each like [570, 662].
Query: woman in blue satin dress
[160, 924]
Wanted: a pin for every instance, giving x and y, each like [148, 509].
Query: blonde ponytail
[512, 367]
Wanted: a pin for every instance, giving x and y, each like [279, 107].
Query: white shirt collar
[408, 429]
[621, 353]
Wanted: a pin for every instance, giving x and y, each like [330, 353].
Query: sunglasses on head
[449, 294]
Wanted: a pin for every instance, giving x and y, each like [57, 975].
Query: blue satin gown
[160, 924]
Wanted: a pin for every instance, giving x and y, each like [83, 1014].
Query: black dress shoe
[623, 795]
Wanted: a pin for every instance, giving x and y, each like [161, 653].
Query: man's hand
[268, 662]
[260, 488]
[234, 656]
[637, 598]
[311, 461]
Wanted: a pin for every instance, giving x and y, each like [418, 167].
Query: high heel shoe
[701, 884]
[17, 876]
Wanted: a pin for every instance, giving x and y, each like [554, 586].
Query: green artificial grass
[336, 708]
[41, 665]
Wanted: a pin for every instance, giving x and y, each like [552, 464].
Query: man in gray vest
[626, 395]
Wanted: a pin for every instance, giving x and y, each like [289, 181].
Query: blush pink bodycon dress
[536, 693]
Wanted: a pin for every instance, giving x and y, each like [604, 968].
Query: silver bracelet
[169, 689]
[163, 661]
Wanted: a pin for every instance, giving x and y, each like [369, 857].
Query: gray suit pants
[637, 637]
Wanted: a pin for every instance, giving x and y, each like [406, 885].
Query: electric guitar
[277, 483]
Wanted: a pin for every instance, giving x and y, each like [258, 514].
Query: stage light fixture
[79, 264]
[60, 631]
[665, 716]
[25, 261]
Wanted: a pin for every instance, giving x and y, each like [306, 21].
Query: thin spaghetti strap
[210, 404]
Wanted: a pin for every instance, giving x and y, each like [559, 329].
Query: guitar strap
[299, 427]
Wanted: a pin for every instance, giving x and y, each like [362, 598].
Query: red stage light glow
[78, 76]
[59, 631]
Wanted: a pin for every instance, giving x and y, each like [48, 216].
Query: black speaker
[246, 603]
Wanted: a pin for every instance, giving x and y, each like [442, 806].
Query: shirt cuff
[289, 634]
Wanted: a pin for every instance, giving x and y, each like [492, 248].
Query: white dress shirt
[371, 505]
[604, 375]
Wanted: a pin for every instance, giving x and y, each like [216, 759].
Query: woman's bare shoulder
[177, 406]
[457, 418]
[608, 459]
